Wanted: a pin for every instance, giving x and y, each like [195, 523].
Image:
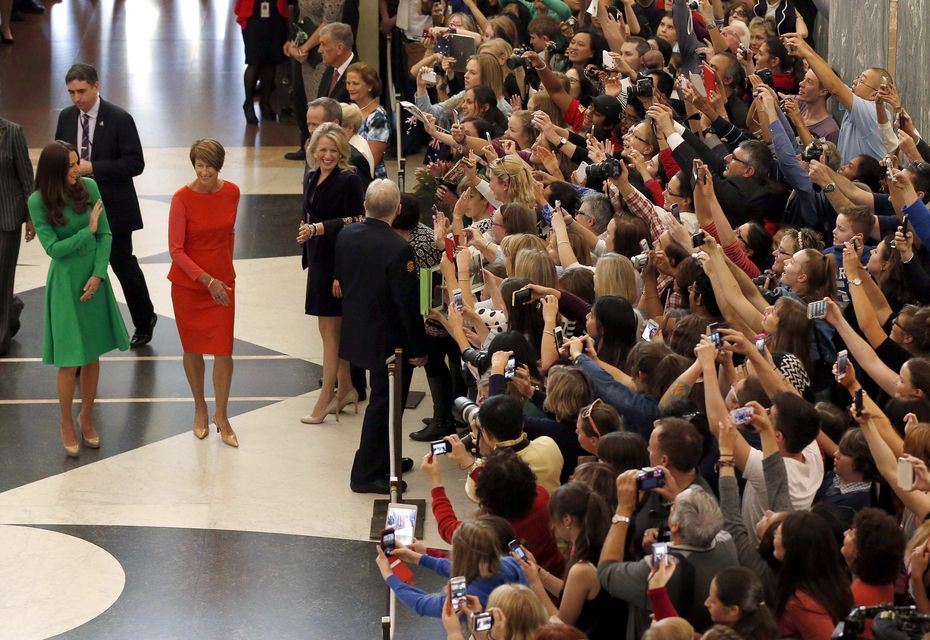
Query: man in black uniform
[376, 273]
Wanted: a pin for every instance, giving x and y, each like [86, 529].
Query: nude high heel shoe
[71, 450]
[227, 438]
[345, 401]
[91, 443]
[330, 408]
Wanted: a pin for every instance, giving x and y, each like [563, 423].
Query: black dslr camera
[642, 89]
[517, 60]
[609, 168]
[889, 623]
[766, 76]
[556, 47]
[813, 151]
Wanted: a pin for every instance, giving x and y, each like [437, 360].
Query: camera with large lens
[813, 151]
[694, 5]
[478, 358]
[517, 60]
[554, 47]
[642, 89]
[609, 168]
[465, 408]
[889, 623]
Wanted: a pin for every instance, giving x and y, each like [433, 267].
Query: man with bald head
[377, 277]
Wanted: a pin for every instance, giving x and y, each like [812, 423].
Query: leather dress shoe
[436, 430]
[300, 154]
[143, 335]
[376, 486]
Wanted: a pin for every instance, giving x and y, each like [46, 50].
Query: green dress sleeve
[559, 8]
[54, 246]
[104, 237]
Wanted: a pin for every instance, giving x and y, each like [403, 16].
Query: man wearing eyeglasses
[860, 131]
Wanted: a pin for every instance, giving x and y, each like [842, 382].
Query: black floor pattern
[206, 584]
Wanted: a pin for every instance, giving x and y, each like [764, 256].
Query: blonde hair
[762, 23]
[524, 612]
[351, 116]
[513, 170]
[475, 551]
[497, 47]
[536, 266]
[614, 275]
[515, 243]
[335, 133]
[492, 76]
[542, 101]
[210, 151]
[505, 29]
[567, 392]
[670, 629]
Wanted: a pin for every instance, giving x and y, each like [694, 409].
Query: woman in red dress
[201, 230]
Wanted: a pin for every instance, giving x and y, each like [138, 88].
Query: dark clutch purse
[300, 33]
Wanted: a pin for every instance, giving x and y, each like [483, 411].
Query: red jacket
[244, 9]
[532, 529]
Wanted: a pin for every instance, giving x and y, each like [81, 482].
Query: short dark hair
[623, 450]
[502, 417]
[681, 442]
[705, 289]
[797, 420]
[565, 192]
[854, 445]
[506, 485]
[921, 179]
[409, 215]
[758, 155]
[83, 72]
[879, 547]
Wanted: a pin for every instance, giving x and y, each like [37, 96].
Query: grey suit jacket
[16, 180]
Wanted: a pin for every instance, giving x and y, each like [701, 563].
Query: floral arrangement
[428, 177]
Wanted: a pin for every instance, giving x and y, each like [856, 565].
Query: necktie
[333, 82]
[85, 136]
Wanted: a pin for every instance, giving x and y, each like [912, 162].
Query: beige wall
[368, 32]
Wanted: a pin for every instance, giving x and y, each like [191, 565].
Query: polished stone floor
[157, 534]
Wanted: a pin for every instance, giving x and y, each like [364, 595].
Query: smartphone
[842, 359]
[709, 77]
[905, 223]
[440, 447]
[559, 338]
[676, 211]
[429, 77]
[760, 342]
[697, 239]
[652, 328]
[482, 621]
[659, 553]
[457, 592]
[742, 415]
[817, 310]
[402, 518]
[387, 541]
[905, 474]
[511, 368]
[488, 136]
[715, 334]
[521, 296]
[517, 548]
[696, 170]
[456, 118]
[644, 245]
[889, 166]
[859, 401]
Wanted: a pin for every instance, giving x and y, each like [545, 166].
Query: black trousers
[299, 101]
[9, 253]
[372, 459]
[445, 382]
[131, 279]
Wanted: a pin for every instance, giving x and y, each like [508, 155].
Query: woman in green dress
[82, 320]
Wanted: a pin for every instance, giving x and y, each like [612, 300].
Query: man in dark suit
[15, 187]
[336, 50]
[375, 271]
[111, 153]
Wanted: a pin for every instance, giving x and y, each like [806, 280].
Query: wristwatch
[830, 188]
[856, 281]
[562, 142]
[618, 518]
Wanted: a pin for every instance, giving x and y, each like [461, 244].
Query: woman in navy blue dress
[332, 191]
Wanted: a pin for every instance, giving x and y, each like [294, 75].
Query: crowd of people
[682, 351]
[682, 345]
